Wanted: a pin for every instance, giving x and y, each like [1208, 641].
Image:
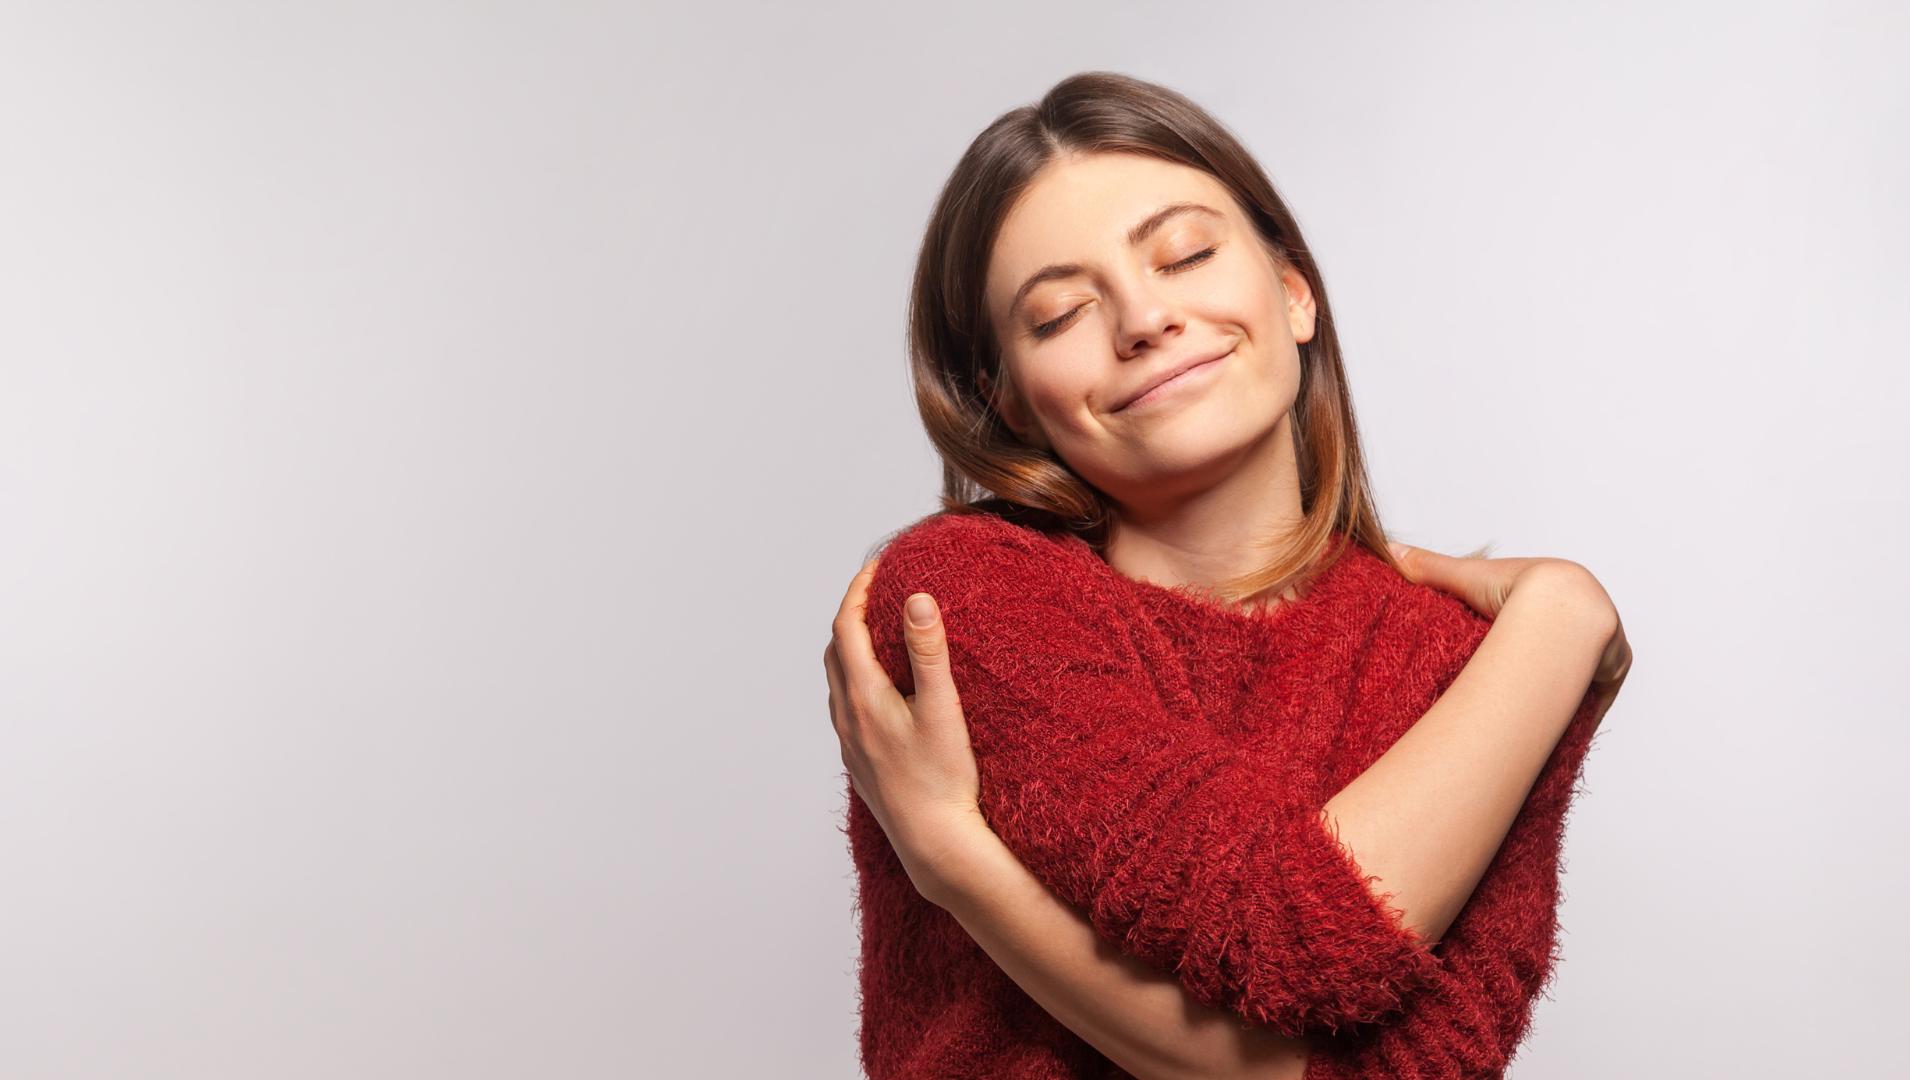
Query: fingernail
[1398, 549]
[921, 610]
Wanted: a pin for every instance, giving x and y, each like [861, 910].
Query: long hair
[986, 468]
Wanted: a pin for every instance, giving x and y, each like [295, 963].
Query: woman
[1177, 702]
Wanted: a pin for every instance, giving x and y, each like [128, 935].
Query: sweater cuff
[1348, 957]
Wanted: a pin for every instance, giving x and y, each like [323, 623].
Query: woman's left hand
[908, 757]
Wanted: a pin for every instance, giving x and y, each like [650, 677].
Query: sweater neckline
[1330, 583]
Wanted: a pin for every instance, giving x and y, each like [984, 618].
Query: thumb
[928, 651]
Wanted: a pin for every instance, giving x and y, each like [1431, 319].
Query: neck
[1218, 532]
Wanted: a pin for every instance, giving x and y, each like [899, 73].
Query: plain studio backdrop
[434, 440]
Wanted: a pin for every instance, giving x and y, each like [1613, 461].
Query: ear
[1008, 404]
[1300, 306]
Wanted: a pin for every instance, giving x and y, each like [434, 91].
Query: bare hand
[908, 757]
[1486, 583]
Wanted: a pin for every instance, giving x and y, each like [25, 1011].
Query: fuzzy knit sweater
[1159, 760]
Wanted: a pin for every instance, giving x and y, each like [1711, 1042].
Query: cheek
[1061, 390]
[1256, 300]
[1269, 311]
[1063, 407]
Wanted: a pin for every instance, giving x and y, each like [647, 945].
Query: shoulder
[989, 574]
[974, 549]
[1017, 602]
[1434, 632]
[952, 531]
[1403, 606]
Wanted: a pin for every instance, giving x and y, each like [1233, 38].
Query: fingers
[1415, 562]
[858, 677]
[857, 597]
[842, 718]
[922, 628]
[1435, 567]
[1467, 577]
[1402, 554]
[1615, 664]
[838, 692]
[848, 622]
[860, 685]
[854, 649]
[863, 680]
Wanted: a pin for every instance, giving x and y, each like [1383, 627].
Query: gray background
[434, 439]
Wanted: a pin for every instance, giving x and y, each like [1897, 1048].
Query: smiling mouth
[1168, 385]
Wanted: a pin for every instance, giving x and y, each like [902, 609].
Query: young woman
[1161, 601]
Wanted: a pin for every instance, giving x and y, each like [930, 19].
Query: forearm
[1427, 817]
[1141, 1018]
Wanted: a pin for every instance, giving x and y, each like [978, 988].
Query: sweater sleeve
[1116, 793]
[1497, 956]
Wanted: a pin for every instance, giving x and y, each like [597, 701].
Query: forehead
[1079, 208]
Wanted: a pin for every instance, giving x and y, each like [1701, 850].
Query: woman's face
[1124, 290]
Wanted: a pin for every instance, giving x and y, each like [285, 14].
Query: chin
[1198, 445]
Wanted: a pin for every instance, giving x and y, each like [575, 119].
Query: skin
[1198, 481]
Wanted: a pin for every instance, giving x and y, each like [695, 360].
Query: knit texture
[1160, 760]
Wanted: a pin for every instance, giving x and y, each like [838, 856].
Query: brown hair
[986, 468]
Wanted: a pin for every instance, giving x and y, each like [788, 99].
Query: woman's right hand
[1486, 584]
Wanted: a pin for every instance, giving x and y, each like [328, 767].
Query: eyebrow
[1141, 231]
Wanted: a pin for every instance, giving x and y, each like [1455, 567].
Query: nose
[1148, 317]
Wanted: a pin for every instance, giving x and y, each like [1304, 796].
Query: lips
[1168, 373]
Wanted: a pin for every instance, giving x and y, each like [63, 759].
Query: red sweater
[1159, 760]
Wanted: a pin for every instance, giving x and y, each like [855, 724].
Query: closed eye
[1196, 258]
[1191, 261]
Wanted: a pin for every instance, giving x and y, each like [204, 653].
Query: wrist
[944, 853]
